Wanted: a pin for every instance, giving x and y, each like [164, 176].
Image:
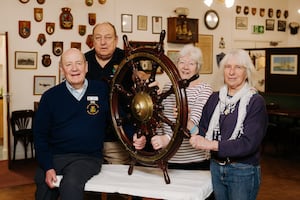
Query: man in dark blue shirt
[103, 61]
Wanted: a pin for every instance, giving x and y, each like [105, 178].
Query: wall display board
[282, 70]
[277, 70]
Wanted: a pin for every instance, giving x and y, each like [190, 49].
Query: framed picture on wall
[142, 22]
[43, 83]
[284, 64]
[156, 24]
[126, 23]
[282, 70]
[206, 45]
[270, 23]
[241, 23]
[281, 25]
[173, 54]
[25, 60]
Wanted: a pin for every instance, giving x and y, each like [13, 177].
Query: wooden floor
[280, 181]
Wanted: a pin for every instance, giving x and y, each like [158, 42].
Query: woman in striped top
[189, 64]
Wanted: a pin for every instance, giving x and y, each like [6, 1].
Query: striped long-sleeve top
[197, 96]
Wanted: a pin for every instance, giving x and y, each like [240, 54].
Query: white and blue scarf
[227, 105]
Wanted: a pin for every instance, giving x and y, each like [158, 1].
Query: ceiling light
[229, 3]
[208, 2]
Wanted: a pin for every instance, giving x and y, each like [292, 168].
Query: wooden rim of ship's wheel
[138, 108]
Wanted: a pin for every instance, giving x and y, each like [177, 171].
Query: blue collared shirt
[77, 93]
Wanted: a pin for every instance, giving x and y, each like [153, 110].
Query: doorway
[4, 103]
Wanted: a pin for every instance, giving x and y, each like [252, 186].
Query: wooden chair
[21, 123]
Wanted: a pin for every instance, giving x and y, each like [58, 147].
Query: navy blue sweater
[65, 125]
[106, 73]
[245, 149]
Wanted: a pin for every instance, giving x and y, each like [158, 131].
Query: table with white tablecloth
[149, 182]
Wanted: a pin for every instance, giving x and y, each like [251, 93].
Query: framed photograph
[43, 83]
[25, 60]
[241, 23]
[206, 45]
[284, 64]
[126, 23]
[156, 24]
[282, 70]
[142, 22]
[281, 25]
[173, 55]
[270, 23]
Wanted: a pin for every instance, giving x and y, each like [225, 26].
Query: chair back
[21, 120]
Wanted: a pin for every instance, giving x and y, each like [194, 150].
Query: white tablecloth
[150, 182]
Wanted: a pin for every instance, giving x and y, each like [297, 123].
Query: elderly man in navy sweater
[69, 130]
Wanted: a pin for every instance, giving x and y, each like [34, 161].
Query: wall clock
[211, 19]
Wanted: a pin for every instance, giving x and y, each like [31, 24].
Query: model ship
[183, 31]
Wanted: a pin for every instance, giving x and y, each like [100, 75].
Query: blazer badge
[50, 27]
[66, 18]
[57, 48]
[38, 14]
[82, 30]
[46, 60]
[24, 29]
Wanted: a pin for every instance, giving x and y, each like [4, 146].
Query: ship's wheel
[138, 108]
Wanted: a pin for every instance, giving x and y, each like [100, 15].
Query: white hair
[194, 53]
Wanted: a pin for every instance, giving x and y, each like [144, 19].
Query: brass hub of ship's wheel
[142, 106]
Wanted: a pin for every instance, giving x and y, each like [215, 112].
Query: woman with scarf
[232, 127]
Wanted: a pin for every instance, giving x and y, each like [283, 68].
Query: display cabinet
[182, 30]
